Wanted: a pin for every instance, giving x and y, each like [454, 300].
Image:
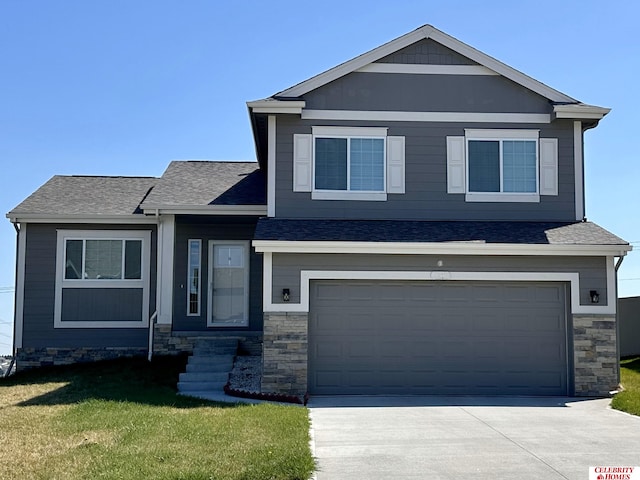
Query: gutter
[437, 248]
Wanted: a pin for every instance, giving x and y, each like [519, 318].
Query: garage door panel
[547, 294]
[460, 294]
[326, 351]
[393, 349]
[437, 338]
[488, 323]
[549, 322]
[331, 292]
[484, 294]
[422, 294]
[451, 322]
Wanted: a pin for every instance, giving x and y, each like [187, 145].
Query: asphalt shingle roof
[87, 195]
[552, 233]
[209, 183]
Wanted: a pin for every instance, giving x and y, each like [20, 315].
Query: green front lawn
[629, 399]
[123, 420]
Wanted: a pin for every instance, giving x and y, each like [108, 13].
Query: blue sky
[114, 87]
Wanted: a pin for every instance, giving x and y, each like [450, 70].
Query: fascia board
[452, 248]
[501, 68]
[205, 209]
[356, 63]
[57, 218]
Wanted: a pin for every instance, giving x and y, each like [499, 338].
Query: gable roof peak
[424, 32]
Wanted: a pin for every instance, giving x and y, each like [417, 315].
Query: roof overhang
[276, 106]
[579, 111]
[440, 248]
[243, 210]
[58, 218]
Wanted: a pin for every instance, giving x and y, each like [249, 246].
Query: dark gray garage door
[497, 338]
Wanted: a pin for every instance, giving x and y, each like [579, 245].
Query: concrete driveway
[469, 437]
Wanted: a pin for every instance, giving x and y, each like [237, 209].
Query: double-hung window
[502, 165]
[349, 160]
[348, 163]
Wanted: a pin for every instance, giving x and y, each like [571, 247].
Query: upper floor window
[509, 166]
[502, 165]
[348, 163]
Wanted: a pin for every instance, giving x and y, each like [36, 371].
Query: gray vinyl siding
[206, 229]
[426, 93]
[101, 304]
[287, 267]
[39, 294]
[427, 52]
[426, 196]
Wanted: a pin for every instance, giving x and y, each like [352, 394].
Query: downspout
[152, 322]
[618, 263]
[14, 348]
[154, 317]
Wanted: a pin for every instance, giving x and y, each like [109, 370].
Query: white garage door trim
[307, 275]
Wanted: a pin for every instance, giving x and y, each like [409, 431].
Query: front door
[228, 284]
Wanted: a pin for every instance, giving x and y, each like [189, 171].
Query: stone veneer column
[595, 355]
[284, 353]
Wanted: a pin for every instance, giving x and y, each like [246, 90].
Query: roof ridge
[108, 176]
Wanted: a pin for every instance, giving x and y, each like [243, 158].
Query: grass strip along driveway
[123, 419]
[629, 399]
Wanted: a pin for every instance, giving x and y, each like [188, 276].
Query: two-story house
[414, 224]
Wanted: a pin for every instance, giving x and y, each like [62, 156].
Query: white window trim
[247, 269]
[349, 132]
[188, 289]
[142, 283]
[500, 136]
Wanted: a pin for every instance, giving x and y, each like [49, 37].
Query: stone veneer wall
[595, 355]
[27, 358]
[168, 342]
[284, 353]
[165, 342]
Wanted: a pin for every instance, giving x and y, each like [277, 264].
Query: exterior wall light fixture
[595, 296]
[286, 294]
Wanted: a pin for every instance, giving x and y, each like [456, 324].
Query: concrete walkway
[469, 437]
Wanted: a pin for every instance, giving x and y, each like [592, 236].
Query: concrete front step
[216, 342]
[211, 360]
[209, 367]
[215, 350]
[204, 376]
[201, 386]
